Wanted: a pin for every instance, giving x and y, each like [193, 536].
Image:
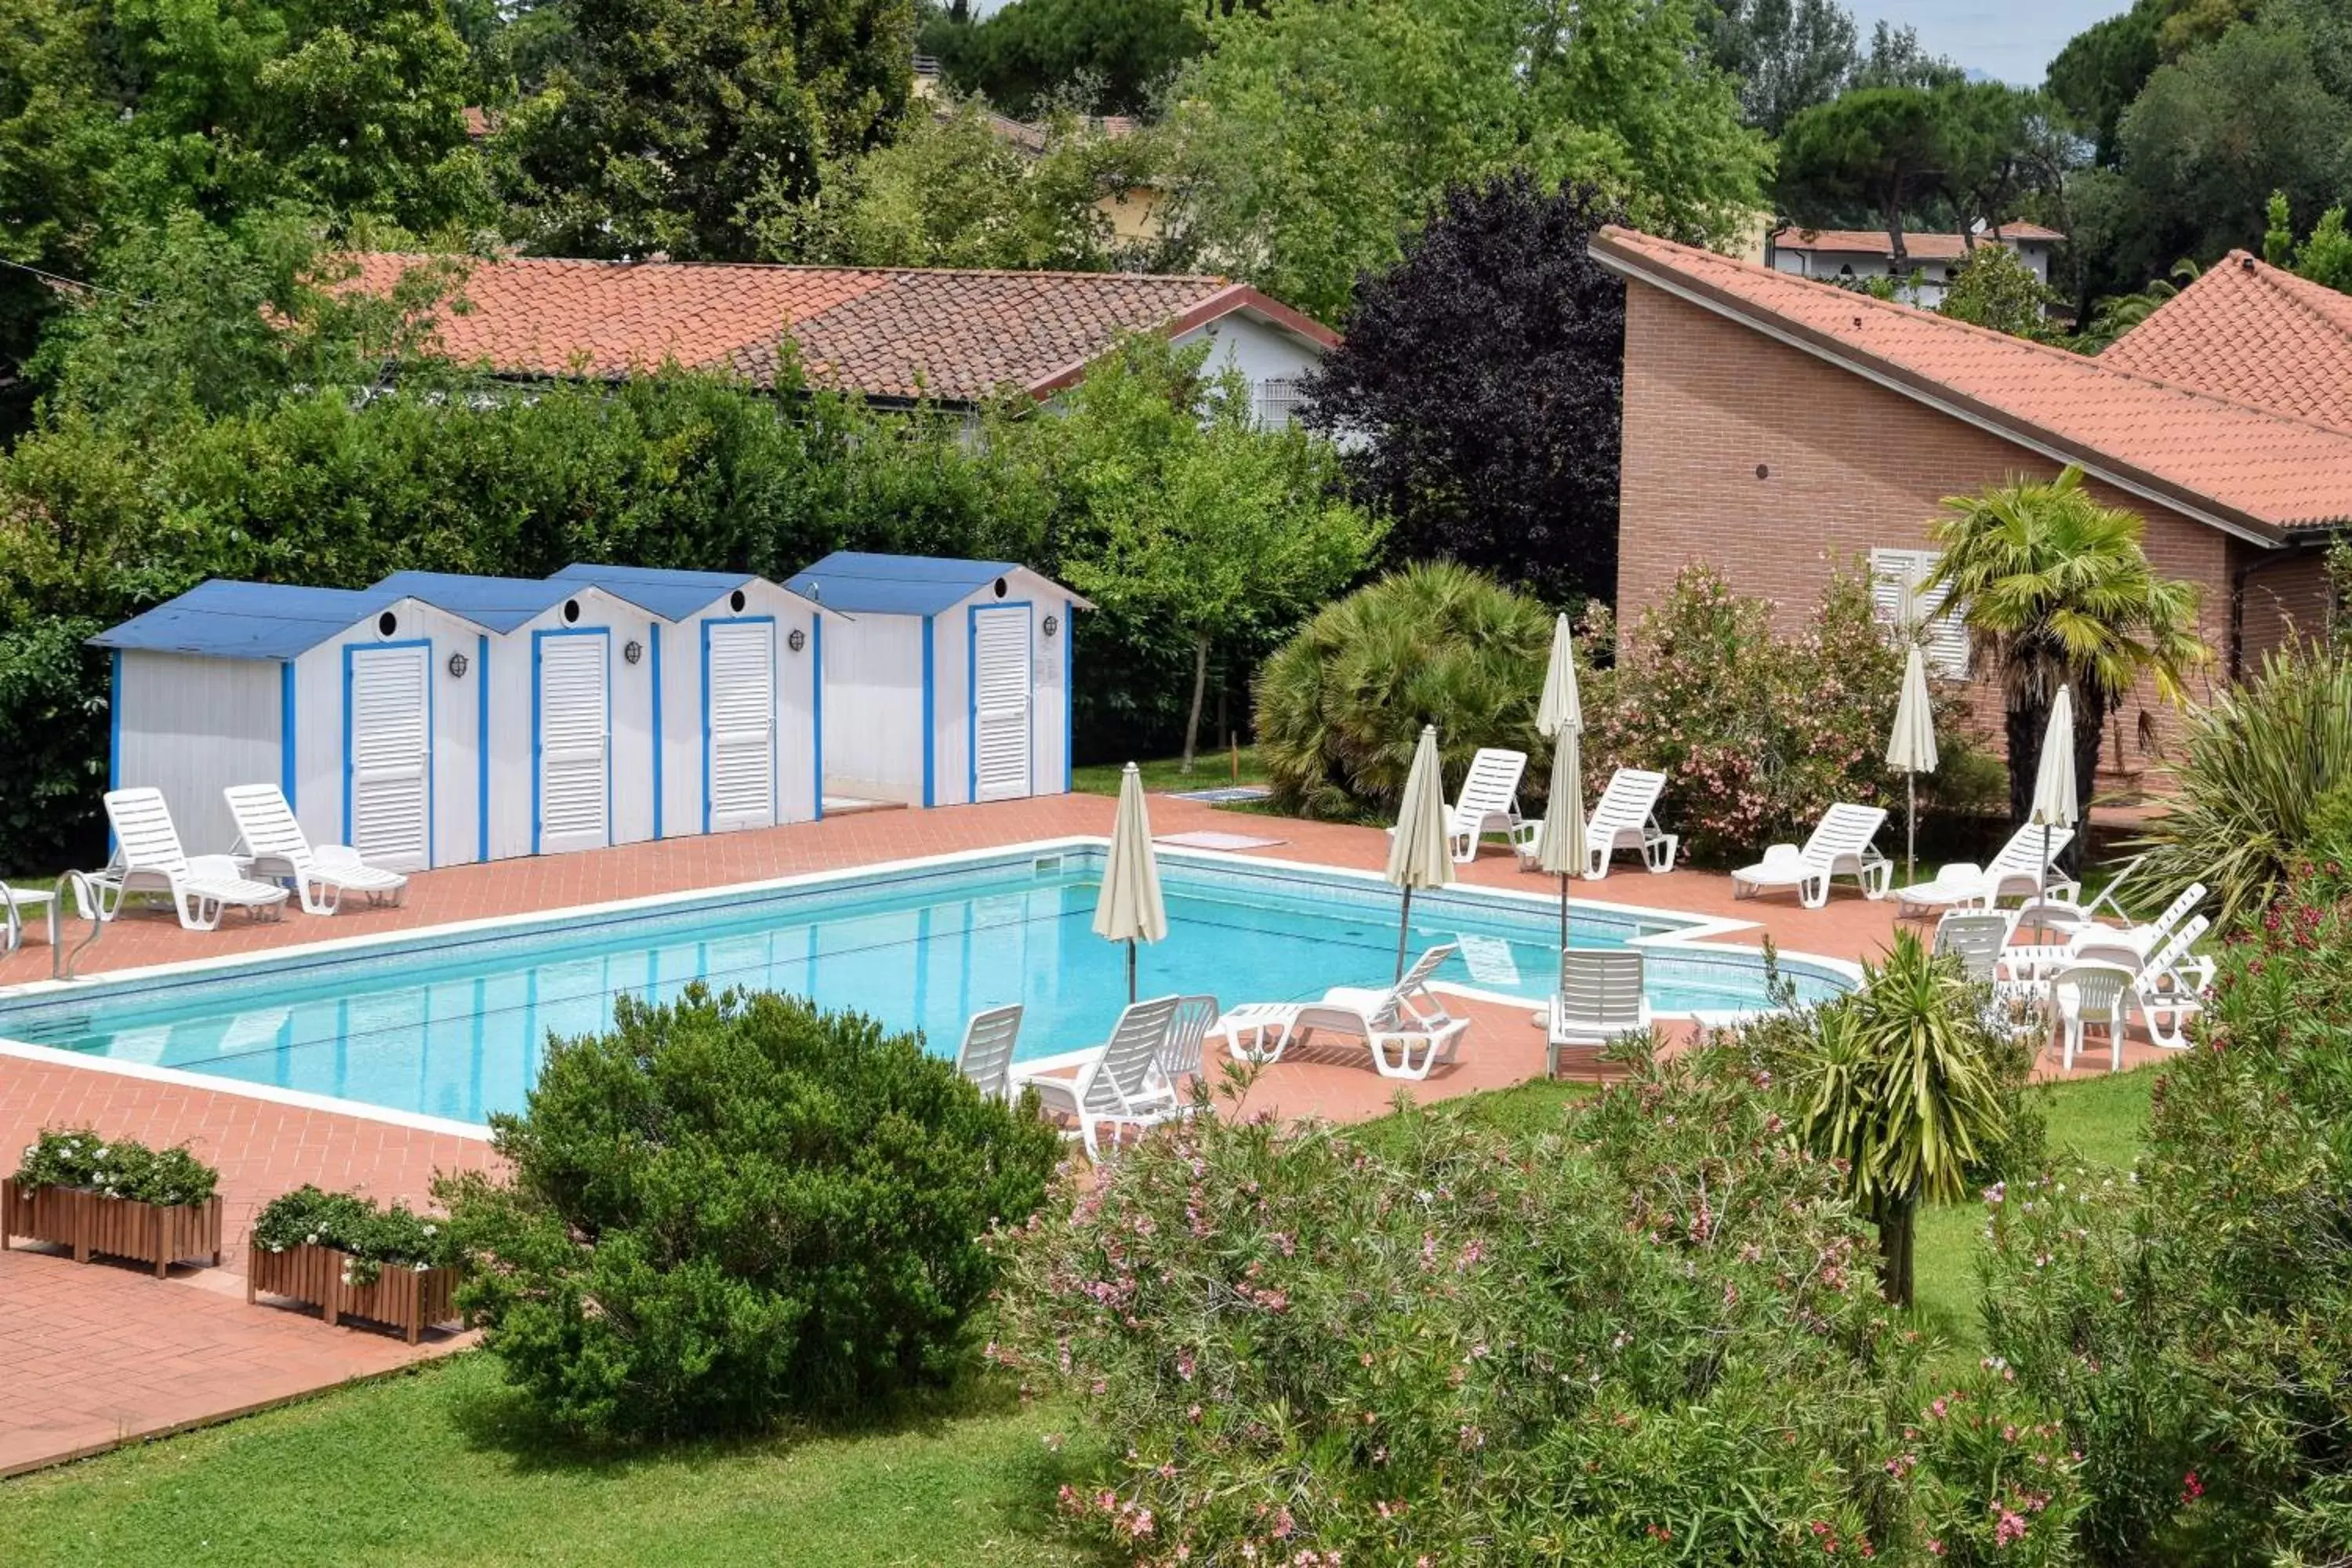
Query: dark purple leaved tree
[1477, 391]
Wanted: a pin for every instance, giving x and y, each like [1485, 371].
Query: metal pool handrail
[86, 897]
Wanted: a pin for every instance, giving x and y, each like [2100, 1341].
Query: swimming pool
[453, 1024]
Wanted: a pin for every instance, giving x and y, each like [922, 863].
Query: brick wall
[1769, 463]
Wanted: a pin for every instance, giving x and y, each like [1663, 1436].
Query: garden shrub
[119, 1168]
[1759, 731]
[733, 1208]
[1648, 1337]
[1340, 707]
[2263, 763]
[370, 1234]
[2192, 1323]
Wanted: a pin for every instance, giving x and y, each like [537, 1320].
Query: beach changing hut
[365, 707]
[737, 678]
[950, 681]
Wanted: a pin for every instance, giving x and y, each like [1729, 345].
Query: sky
[2012, 40]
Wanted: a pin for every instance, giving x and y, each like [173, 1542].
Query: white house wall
[1262, 353]
[873, 725]
[320, 777]
[192, 726]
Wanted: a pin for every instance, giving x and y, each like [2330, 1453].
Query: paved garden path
[92, 1355]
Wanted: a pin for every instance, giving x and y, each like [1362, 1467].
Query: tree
[1478, 385]
[2102, 69]
[1189, 514]
[1991, 288]
[2117, 314]
[1999, 147]
[60, 130]
[1316, 135]
[679, 127]
[2325, 256]
[1879, 149]
[2058, 591]
[1896, 59]
[1899, 1088]
[1787, 55]
[1022, 55]
[953, 191]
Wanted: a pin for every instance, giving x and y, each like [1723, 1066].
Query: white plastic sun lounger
[2016, 870]
[269, 835]
[1112, 1086]
[986, 1055]
[1488, 800]
[1601, 996]
[1625, 818]
[2167, 982]
[1405, 1027]
[1840, 846]
[148, 859]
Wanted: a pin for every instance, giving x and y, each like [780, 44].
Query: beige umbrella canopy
[1912, 749]
[1561, 849]
[1417, 855]
[2054, 780]
[1130, 907]
[1560, 708]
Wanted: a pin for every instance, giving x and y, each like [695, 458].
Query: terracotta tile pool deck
[94, 1355]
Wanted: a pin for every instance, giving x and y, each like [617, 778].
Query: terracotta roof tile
[1917, 247]
[2255, 468]
[2249, 331]
[959, 336]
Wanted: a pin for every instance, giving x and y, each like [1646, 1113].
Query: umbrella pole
[1563, 911]
[1404, 925]
[1911, 827]
[1131, 970]
[2042, 883]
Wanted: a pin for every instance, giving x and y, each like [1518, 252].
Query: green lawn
[1210, 769]
[443, 1466]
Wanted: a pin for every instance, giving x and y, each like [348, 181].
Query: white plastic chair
[1840, 846]
[268, 835]
[1976, 940]
[1112, 1086]
[2098, 994]
[1601, 995]
[2016, 870]
[1405, 1027]
[1626, 817]
[148, 859]
[986, 1055]
[19, 905]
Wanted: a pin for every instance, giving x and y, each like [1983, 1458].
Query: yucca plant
[1900, 1086]
[1341, 706]
[2261, 761]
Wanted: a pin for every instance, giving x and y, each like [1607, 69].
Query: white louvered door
[739, 664]
[575, 736]
[1002, 701]
[390, 766]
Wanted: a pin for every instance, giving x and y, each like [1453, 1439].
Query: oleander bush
[1760, 731]
[119, 1168]
[2191, 1324]
[1650, 1336]
[373, 1235]
[737, 1208]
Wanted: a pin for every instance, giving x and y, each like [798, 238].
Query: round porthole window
[736, 601]
[1001, 588]
[386, 623]
[571, 611]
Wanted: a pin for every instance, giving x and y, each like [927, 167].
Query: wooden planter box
[91, 1223]
[409, 1300]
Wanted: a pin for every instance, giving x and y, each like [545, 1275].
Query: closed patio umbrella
[1561, 849]
[1560, 708]
[1912, 748]
[1418, 856]
[1130, 907]
[2054, 780]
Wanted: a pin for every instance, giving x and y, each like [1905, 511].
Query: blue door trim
[661, 737]
[286, 773]
[482, 747]
[1069, 699]
[351, 650]
[972, 693]
[113, 733]
[930, 713]
[538, 641]
[816, 687]
[775, 689]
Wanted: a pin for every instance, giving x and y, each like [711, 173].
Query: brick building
[1775, 425]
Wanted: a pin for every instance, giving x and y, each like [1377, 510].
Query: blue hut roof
[672, 594]
[227, 620]
[856, 582]
[500, 604]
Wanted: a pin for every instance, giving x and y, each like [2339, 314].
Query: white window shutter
[1897, 575]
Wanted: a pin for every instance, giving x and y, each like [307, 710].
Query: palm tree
[1899, 1087]
[2057, 591]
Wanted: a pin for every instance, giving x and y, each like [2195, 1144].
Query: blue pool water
[455, 1025]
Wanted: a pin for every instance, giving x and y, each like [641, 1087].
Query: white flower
[311, 1240]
